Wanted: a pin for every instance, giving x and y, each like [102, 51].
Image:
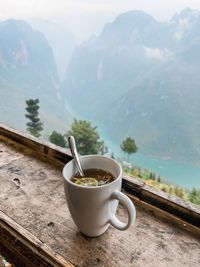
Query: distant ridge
[28, 70]
[140, 77]
[61, 41]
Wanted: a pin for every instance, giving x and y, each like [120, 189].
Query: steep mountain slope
[27, 70]
[61, 41]
[140, 77]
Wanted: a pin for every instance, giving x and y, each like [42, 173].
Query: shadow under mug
[93, 209]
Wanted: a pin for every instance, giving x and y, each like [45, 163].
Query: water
[175, 173]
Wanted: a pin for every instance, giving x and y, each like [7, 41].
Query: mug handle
[128, 204]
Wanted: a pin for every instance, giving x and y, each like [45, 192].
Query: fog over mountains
[139, 77]
[28, 70]
[61, 41]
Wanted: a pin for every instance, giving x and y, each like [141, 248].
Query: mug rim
[93, 187]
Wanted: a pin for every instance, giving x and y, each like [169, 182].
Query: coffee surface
[93, 177]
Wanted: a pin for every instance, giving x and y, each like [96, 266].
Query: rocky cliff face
[27, 70]
[61, 41]
[140, 78]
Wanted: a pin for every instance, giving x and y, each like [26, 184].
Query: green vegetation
[57, 139]
[194, 196]
[155, 180]
[87, 138]
[128, 146]
[34, 125]
[88, 142]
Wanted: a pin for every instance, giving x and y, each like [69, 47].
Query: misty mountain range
[139, 77]
[28, 70]
[61, 41]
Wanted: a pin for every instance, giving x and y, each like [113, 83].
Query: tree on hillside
[57, 139]
[87, 138]
[128, 146]
[34, 125]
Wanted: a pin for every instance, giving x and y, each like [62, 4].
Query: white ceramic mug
[93, 209]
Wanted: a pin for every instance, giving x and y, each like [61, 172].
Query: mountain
[61, 41]
[140, 78]
[28, 70]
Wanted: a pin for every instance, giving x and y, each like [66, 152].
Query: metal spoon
[72, 146]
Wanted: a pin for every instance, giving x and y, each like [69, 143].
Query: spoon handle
[72, 146]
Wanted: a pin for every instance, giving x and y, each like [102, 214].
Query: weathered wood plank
[28, 250]
[157, 198]
[37, 202]
[132, 185]
[42, 147]
[171, 204]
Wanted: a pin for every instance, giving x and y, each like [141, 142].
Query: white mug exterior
[93, 208]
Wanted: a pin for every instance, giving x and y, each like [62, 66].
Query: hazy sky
[90, 15]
